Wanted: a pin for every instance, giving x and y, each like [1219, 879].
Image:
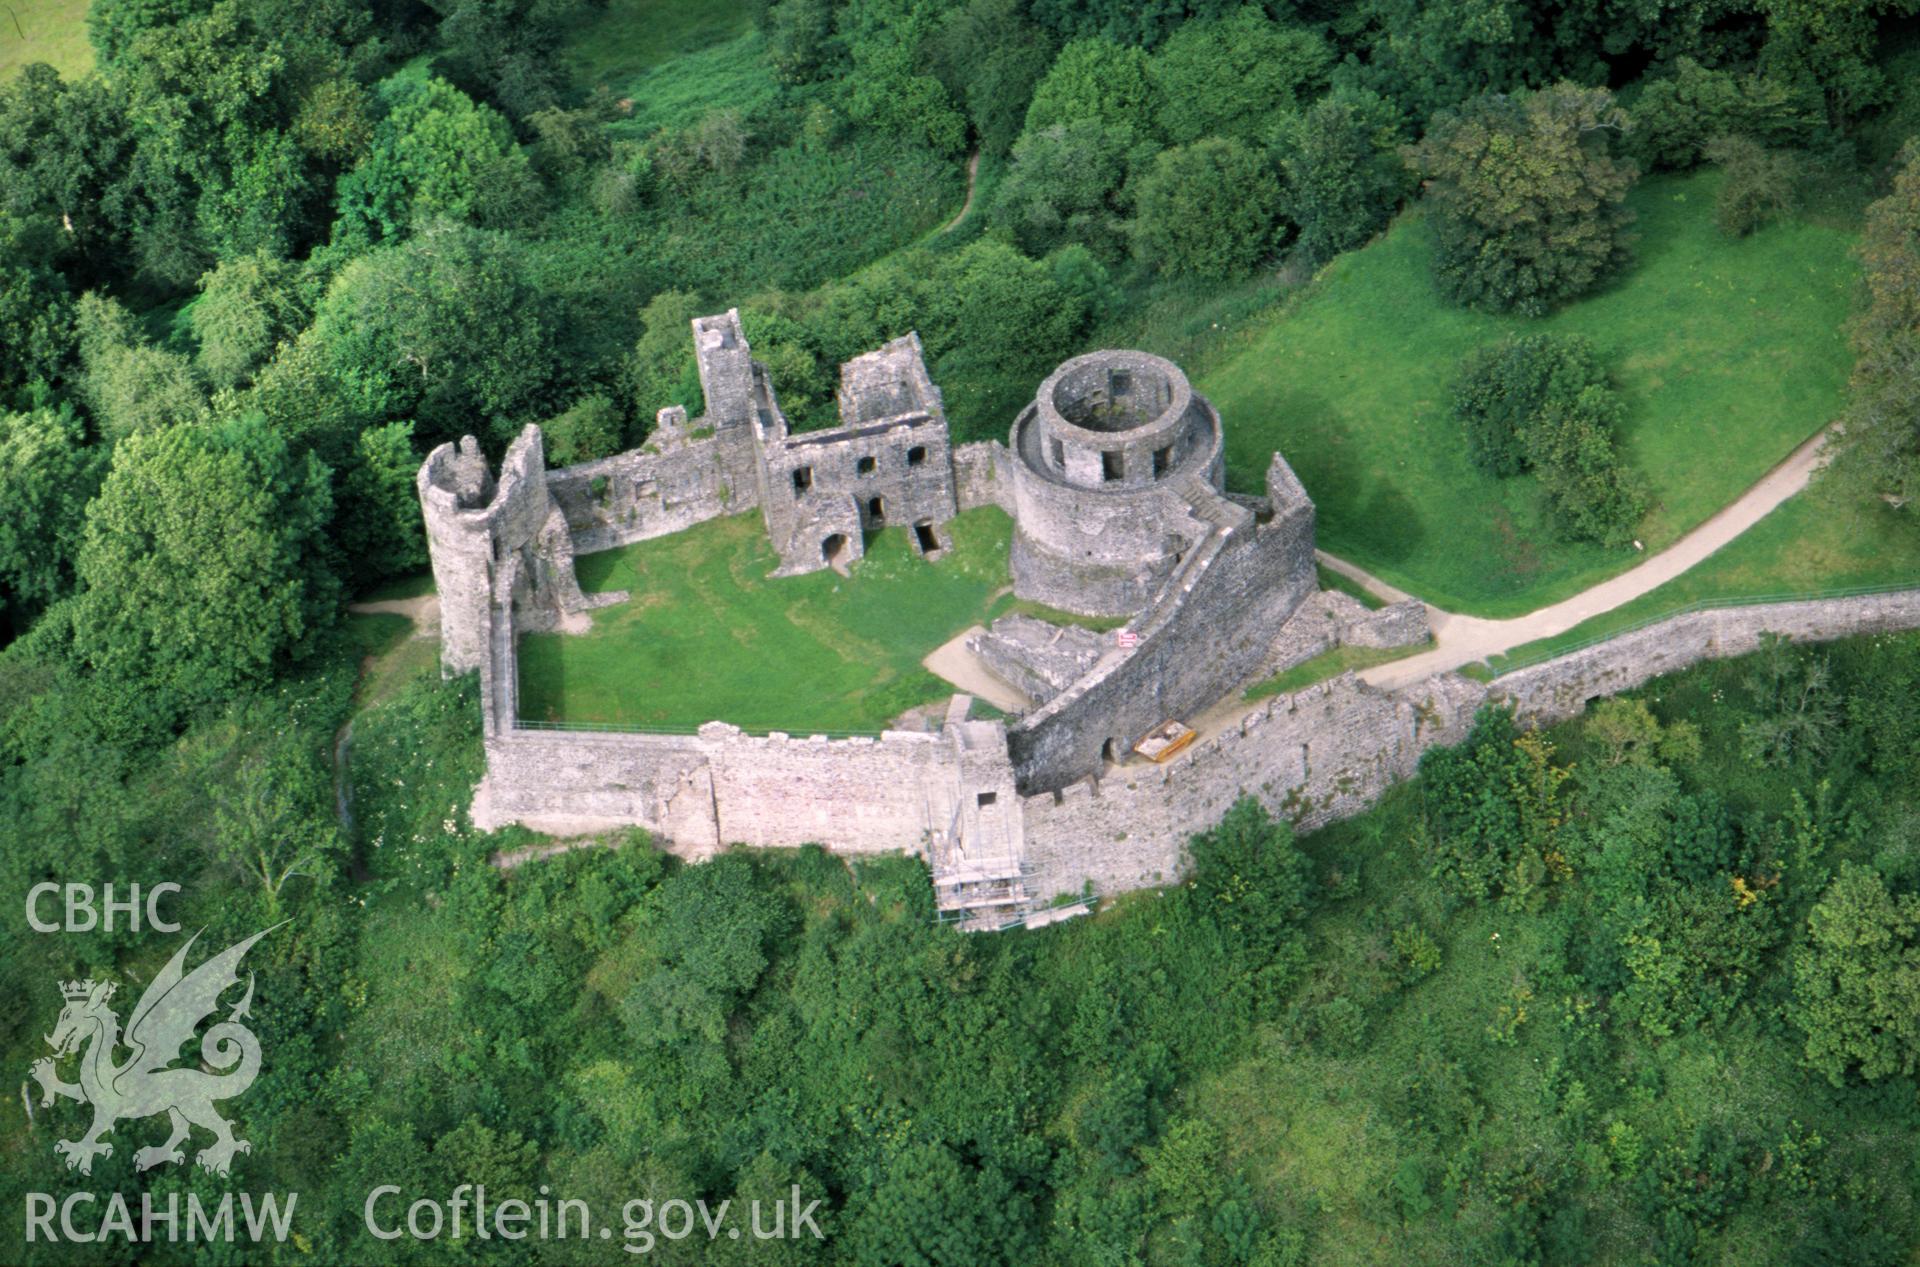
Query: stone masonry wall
[651, 494]
[1317, 755]
[977, 475]
[1560, 688]
[720, 787]
[1329, 751]
[1203, 639]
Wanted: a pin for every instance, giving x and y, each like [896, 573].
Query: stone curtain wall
[1317, 755]
[1330, 751]
[720, 786]
[651, 494]
[1560, 688]
[1202, 640]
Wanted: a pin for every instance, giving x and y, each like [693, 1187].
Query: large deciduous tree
[1065, 184]
[1341, 178]
[202, 568]
[127, 383]
[1207, 210]
[1883, 421]
[435, 153]
[1527, 197]
[1542, 403]
[1856, 984]
[65, 152]
[1235, 76]
[1094, 79]
[247, 306]
[447, 327]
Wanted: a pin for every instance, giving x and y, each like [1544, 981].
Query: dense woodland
[1643, 988]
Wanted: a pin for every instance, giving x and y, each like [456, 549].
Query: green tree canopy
[1882, 439]
[1065, 185]
[47, 475]
[1095, 79]
[447, 327]
[436, 152]
[1676, 115]
[127, 383]
[65, 153]
[36, 310]
[202, 567]
[1207, 210]
[377, 522]
[1342, 178]
[1234, 76]
[1527, 197]
[1856, 985]
[247, 306]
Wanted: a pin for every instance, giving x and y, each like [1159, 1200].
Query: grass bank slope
[610, 45]
[1728, 352]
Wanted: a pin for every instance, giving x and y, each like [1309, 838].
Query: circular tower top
[1118, 419]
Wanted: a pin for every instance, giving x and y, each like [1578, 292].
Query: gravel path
[1462, 640]
[951, 660]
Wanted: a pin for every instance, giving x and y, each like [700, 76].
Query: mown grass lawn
[50, 31]
[1817, 541]
[1728, 353]
[709, 636]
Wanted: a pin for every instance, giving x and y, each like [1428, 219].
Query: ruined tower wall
[473, 523]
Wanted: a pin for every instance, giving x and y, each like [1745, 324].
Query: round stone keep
[1106, 460]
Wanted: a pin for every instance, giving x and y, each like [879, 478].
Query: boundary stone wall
[1557, 689]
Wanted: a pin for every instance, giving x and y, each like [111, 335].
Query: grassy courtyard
[1728, 353]
[707, 635]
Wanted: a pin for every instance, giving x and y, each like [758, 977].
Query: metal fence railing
[1522, 658]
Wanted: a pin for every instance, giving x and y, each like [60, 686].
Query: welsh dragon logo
[166, 1017]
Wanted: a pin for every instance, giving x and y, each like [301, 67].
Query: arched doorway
[876, 513]
[833, 547]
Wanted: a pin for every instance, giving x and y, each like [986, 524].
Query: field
[1818, 541]
[708, 636]
[51, 31]
[1728, 354]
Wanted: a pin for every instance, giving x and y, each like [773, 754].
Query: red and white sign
[1126, 639]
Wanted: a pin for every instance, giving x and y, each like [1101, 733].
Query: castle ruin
[1113, 477]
